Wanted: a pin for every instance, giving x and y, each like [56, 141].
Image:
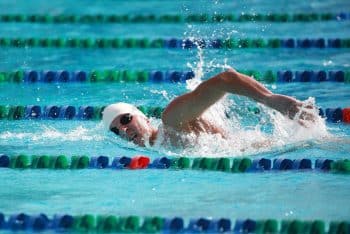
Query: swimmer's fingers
[309, 106]
[303, 123]
[306, 119]
[307, 116]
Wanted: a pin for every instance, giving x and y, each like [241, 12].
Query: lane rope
[67, 112]
[176, 43]
[169, 76]
[224, 164]
[156, 224]
[172, 18]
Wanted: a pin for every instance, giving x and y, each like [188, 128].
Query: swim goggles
[124, 120]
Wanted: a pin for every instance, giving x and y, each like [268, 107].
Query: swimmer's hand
[305, 114]
[294, 109]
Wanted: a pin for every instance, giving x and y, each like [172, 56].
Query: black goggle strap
[115, 130]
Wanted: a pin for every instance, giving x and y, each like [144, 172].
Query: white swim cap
[114, 110]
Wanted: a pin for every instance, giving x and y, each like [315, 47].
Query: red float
[139, 162]
[346, 115]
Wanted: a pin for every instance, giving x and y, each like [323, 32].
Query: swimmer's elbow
[227, 79]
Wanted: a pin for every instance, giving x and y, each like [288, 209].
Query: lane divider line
[156, 224]
[170, 76]
[171, 18]
[224, 164]
[176, 43]
[68, 112]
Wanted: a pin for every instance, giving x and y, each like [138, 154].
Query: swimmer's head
[128, 122]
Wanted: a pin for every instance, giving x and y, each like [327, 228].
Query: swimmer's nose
[130, 133]
[124, 131]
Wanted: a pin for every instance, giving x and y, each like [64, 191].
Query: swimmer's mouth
[133, 138]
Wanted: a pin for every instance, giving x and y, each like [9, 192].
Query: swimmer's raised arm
[190, 106]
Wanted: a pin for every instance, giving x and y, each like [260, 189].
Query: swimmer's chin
[139, 141]
[142, 142]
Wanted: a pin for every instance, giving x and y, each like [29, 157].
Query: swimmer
[184, 114]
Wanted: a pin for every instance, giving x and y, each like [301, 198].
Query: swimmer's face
[133, 128]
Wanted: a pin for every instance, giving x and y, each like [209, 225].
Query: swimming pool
[288, 195]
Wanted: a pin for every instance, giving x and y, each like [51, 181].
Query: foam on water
[49, 133]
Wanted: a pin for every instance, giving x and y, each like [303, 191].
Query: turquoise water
[158, 6]
[177, 193]
[169, 193]
[331, 29]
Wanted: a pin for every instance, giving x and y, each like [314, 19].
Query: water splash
[47, 134]
[247, 133]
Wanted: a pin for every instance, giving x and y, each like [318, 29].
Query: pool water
[168, 193]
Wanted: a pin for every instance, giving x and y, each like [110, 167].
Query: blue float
[174, 225]
[160, 163]
[99, 162]
[337, 76]
[201, 225]
[32, 112]
[173, 43]
[238, 228]
[51, 112]
[323, 164]
[121, 162]
[31, 76]
[2, 220]
[40, 222]
[304, 43]
[4, 160]
[216, 44]
[334, 114]
[261, 164]
[80, 76]
[304, 76]
[49, 76]
[188, 75]
[319, 43]
[319, 76]
[334, 43]
[249, 226]
[341, 16]
[174, 76]
[63, 76]
[188, 44]
[285, 76]
[223, 225]
[85, 112]
[62, 222]
[288, 43]
[157, 76]
[102, 162]
[301, 164]
[67, 112]
[282, 164]
[200, 43]
[244, 226]
[19, 222]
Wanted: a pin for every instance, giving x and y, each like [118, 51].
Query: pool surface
[286, 195]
